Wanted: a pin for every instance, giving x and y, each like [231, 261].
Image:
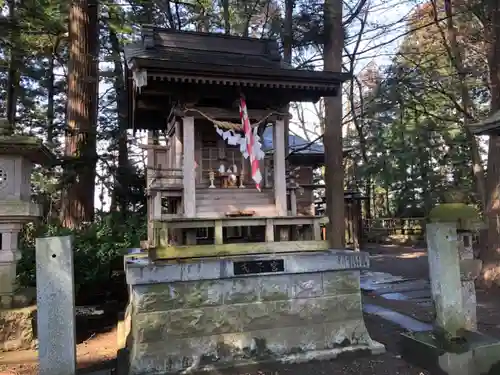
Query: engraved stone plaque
[259, 266]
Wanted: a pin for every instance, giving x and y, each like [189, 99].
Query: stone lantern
[18, 154]
[468, 222]
[453, 346]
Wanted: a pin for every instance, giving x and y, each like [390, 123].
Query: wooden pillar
[156, 208]
[279, 167]
[218, 233]
[267, 182]
[269, 230]
[150, 165]
[293, 201]
[188, 168]
[358, 224]
[177, 143]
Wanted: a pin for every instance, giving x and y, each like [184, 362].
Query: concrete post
[55, 290]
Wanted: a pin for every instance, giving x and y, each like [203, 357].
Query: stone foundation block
[7, 278]
[204, 315]
[239, 348]
[478, 354]
[17, 329]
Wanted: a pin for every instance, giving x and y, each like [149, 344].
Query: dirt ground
[96, 352]
[99, 349]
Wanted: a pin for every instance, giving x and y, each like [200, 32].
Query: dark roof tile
[182, 56]
[294, 143]
[489, 126]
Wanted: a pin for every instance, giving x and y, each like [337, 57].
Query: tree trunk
[225, 10]
[78, 198]
[13, 75]
[287, 57]
[123, 171]
[51, 91]
[490, 254]
[456, 57]
[334, 173]
[369, 198]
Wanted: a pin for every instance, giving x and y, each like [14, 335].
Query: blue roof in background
[294, 142]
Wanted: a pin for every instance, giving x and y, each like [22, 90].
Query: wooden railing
[162, 178]
[381, 229]
[387, 229]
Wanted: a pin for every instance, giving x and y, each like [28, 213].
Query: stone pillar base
[207, 314]
[8, 284]
[477, 355]
[18, 329]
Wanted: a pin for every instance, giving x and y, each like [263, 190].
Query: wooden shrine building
[189, 90]
[489, 126]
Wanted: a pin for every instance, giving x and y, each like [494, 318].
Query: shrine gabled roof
[299, 146]
[489, 126]
[197, 57]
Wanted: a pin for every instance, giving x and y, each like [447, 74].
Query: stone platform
[478, 354]
[225, 312]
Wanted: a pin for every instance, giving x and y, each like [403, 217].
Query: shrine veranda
[237, 268]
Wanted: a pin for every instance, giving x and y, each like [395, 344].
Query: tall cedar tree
[81, 155]
[491, 255]
[334, 171]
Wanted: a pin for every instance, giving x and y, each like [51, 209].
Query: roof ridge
[213, 51]
[204, 33]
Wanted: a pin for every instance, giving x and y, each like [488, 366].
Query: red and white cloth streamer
[251, 147]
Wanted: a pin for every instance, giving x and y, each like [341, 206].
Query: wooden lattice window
[202, 233]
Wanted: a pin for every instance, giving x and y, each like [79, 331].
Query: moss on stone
[455, 196]
[274, 296]
[227, 250]
[466, 217]
[165, 297]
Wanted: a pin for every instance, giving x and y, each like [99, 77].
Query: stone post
[453, 347]
[444, 269]
[55, 287]
[466, 220]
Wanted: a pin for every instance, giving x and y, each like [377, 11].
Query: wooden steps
[217, 202]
